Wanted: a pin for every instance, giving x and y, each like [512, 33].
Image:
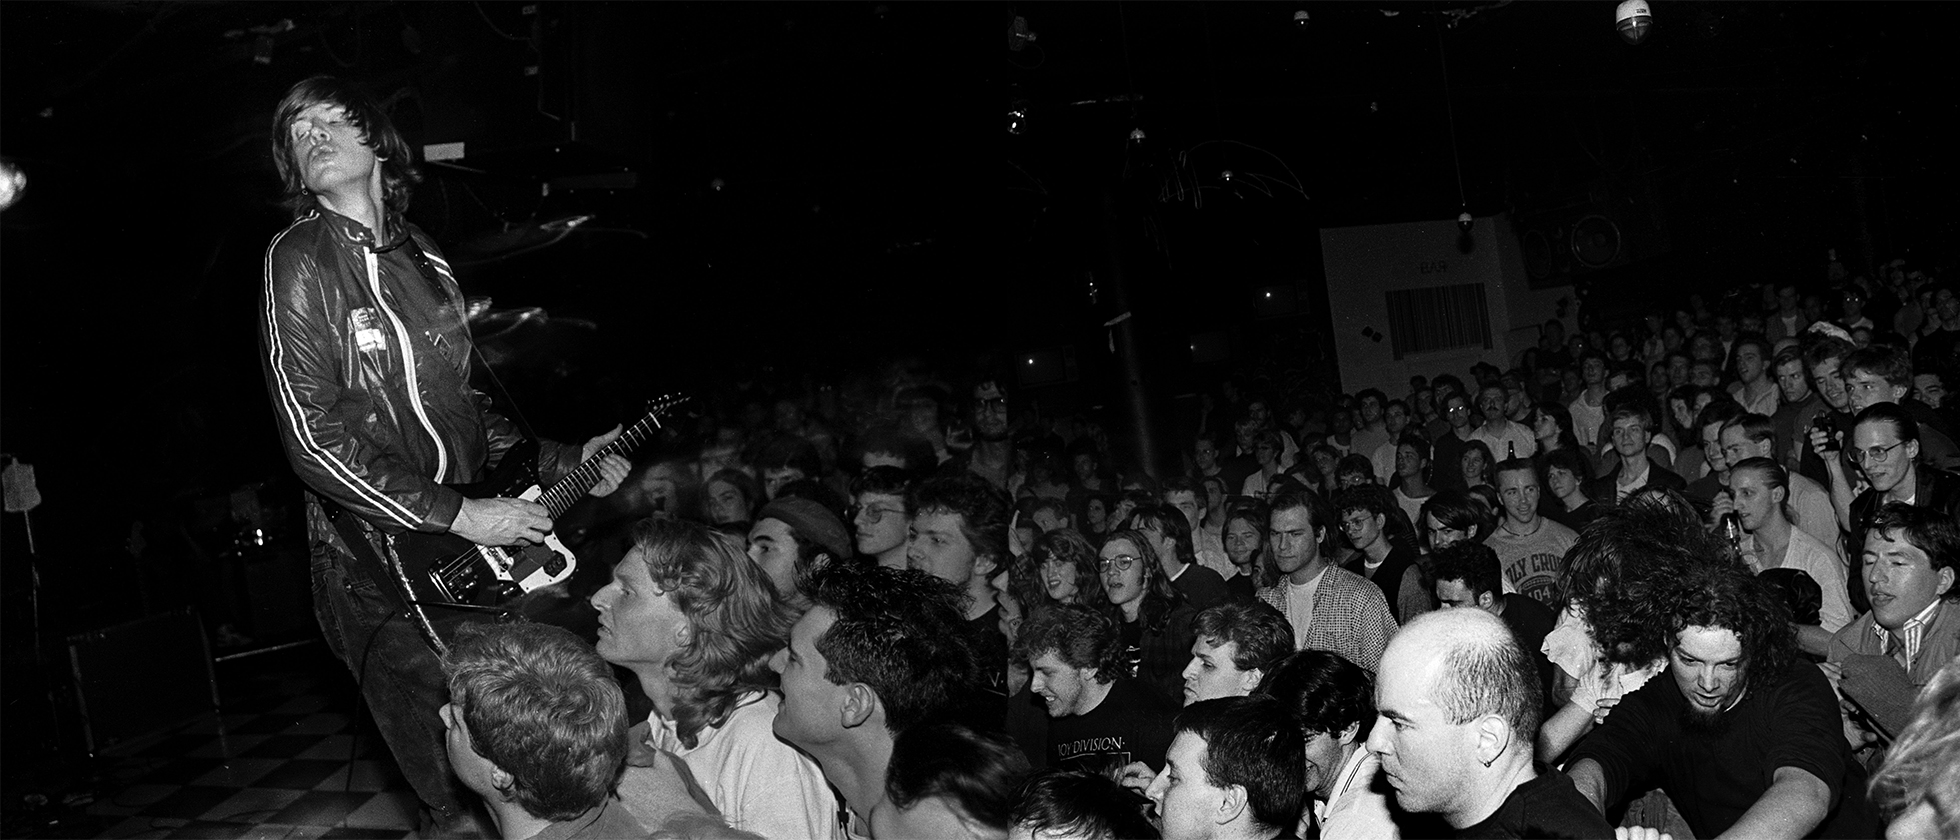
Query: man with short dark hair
[1334, 701]
[1232, 646]
[1100, 719]
[948, 781]
[1468, 575]
[1745, 738]
[879, 517]
[1631, 429]
[1372, 430]
[1170, 537]
[1329, 608]
[1531, 547]
[1075, 804]
[1446, 457]
[1884, 445]
[1798, 406]
[1881, 373]
[959, 535]
[537, 727]
[880, 651]
[1913, 628]
[1191, 498]
[1458, 709]
[1588, 408]
[1755, 391]
[1234, 772]
[1390, 564]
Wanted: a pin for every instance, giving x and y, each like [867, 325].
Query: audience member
[537, 727]
[1153, 621]
[1917, 787]
[959, 535]
[1786, 555]
[1891, 653]
[1101, 719]
[697, 623]
[1530, 547]
[1334, 702]
[1329, 608]
[1169, 534]
[1458, 708]
[1235, 644]
[1245, 545]
[1745, 738]
[731, 499]
[1234, 772]
[879, 651]
[793, 537]
[1632, 429]
[1884, 445]
[879, 516]
[1385, 549]
[949, 782]
[1077, 805]
[1467, 574]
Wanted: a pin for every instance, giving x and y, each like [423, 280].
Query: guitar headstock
[666, 403]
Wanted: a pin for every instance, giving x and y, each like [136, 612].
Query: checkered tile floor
[291, 755]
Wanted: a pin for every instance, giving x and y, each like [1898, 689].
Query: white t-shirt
[759, 783]
[1299, 607]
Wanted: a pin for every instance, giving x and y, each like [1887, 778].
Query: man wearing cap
[793, 537]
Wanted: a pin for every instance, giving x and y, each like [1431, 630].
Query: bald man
[1458, 704]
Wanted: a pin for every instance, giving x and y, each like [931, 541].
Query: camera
[1822, 423]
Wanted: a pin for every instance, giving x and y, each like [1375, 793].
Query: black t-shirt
[1547, 806]
[1202, 587]
[990, 650]
[1713, 778]
[1132, 723]
[1531, 622]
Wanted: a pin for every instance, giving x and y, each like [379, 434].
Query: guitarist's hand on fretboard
[612, 468]
[501, 522]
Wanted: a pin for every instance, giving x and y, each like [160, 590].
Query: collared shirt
[1909, 635]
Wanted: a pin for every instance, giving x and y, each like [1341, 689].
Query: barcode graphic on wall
[1436, 318]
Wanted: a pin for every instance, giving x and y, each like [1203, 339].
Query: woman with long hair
[1060, 568]
[697, 623]
[1245, 545]
[1155, 621]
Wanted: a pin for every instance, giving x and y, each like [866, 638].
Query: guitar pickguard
[532, 566]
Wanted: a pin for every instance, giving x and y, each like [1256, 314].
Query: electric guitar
[447, 569]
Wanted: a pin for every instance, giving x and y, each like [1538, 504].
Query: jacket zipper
[408, 363]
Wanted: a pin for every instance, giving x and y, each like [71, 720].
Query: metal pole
[1136, 395]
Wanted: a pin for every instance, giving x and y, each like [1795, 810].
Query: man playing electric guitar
[366, 355]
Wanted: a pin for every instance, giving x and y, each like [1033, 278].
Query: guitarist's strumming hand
[501, 522]
[612, 468]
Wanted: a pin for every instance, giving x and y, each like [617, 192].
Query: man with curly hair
[1745, 737]
[1100, 717]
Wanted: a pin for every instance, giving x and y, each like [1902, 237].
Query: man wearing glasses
[992, 455]
[1884, 445]
[1447, 450]
[878, 515]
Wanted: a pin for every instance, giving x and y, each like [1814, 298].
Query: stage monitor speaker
[142, 676]
[1613, 224]
[1276, 301]
[1048, 366]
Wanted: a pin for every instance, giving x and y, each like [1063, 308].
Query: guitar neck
[559, 496]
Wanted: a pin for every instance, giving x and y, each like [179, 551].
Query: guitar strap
[363, 550]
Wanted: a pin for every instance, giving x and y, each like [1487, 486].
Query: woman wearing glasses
[1155, 621]
[1884, 445]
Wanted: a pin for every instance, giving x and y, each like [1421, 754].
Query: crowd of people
[1692, 578]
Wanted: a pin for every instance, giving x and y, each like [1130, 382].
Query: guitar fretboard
[559, 496]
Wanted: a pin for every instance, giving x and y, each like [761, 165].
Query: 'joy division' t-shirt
[1132, 723]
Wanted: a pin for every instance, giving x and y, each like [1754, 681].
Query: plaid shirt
[1350, 617]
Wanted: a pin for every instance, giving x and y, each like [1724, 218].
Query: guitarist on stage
[366, 355]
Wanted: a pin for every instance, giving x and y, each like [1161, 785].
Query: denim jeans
[399, 674]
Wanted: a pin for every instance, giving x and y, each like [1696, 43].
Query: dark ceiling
[823, 183]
